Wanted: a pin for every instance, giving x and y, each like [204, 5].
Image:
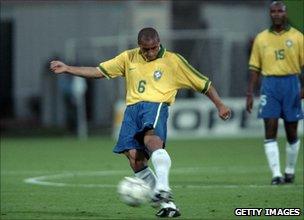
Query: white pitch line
[45, 181]
[232, 169]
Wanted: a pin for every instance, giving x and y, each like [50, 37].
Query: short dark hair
[278, 2]
[147, 33]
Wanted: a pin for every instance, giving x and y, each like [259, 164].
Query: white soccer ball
[133, 191]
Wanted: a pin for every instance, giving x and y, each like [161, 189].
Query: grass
[209, 179]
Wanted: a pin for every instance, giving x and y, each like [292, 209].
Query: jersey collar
[161, 52]
[286, 28]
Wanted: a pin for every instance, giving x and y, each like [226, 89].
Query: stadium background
[39, 121]
[215, 36]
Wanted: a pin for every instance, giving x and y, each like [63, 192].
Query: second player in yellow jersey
[278, 54]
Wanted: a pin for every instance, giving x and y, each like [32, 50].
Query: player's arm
[252, 84]
[87, 72]
[189, 77]
[255, 64]
[224, 112]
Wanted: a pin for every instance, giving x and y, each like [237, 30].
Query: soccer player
[153, 76]
[277, 55]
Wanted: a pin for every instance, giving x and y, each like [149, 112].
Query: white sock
[148, 176]
[273, 157]
[291, 156]
[162, 163]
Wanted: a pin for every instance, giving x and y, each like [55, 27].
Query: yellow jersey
[278, 54]
[154, 81]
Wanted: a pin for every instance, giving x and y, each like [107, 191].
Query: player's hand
[249, 103]
[58, 66]
[224, 112]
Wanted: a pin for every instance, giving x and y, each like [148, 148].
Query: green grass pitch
[209, 179]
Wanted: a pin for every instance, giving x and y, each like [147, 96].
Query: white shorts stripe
[157, 115]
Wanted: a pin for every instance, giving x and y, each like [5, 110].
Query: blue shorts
[138, 119]
[280, 98]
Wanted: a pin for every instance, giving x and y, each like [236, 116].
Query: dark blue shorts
[138, 119]
[280, 98]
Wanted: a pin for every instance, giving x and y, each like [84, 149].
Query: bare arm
[253, 81]
[224, 112]
[87, 72]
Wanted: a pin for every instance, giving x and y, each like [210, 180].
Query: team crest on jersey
[157, 75]
[289, 43]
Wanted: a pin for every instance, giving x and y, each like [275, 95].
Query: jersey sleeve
[255, 59]
[188, 77]
[114, 67]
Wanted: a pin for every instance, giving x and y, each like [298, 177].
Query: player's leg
[270, 110]
[134, 150]
[160, 159]
[292, 113]
[272, 150]
[161, 162]
[292, 150]
[138, 163]
[153, 118]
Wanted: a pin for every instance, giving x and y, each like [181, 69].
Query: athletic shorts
[280, 98]
[138, 119]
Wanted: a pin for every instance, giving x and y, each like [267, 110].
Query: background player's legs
[292, 150]
[138, 163]
[272, 150]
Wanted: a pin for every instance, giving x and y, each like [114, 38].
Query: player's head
[149, 43]
[278, 13]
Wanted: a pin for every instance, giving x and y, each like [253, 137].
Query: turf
[209, 178]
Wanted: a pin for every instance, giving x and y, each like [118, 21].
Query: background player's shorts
[280, 98]
[139, 118]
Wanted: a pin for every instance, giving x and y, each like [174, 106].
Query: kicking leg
[138, 163]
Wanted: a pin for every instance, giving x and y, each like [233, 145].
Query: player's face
[149, 48]
[278, 14]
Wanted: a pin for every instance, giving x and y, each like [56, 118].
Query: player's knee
[153, 142]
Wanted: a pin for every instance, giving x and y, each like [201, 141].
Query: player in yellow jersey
[153, 76]
[277, 55]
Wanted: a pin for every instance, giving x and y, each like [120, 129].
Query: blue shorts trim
[138, 119]
[280, 98]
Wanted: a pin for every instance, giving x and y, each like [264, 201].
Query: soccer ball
[133, 191]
